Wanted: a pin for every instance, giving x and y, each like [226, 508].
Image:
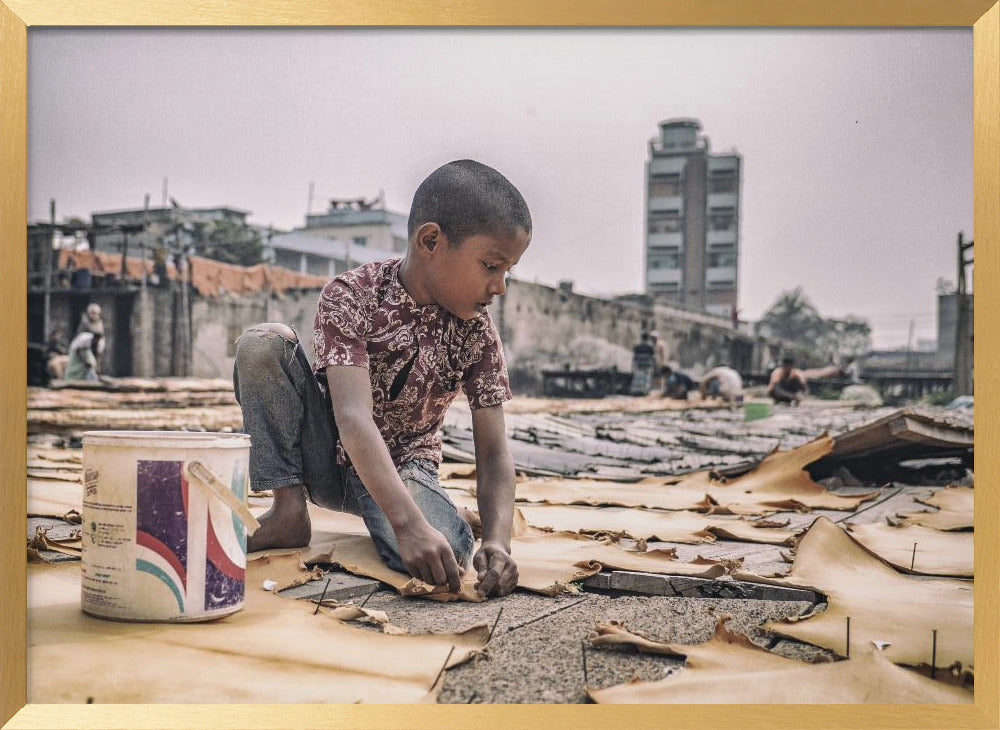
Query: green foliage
[229, 241]
[793, 318]
[941, 398]
[827, 392]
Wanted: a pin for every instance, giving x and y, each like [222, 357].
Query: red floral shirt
[416, 356]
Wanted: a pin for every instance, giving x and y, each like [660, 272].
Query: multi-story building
[362, 223]
[119, 230]
[692, 220]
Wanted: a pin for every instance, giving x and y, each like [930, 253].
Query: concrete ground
[536, 653]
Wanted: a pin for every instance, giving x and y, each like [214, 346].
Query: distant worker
[643, 362]
[678, 384]
[83, 352]
[787, 383]
[852, 370]
[661, 359]
[90, 321]
[56, 358]
[722, 382]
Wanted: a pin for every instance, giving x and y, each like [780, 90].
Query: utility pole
[962, 378]
[909, 346]
[309, 204]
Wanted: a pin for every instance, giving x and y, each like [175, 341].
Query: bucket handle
[197, 472]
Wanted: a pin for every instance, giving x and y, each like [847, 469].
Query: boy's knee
[270, 329]
[261, 344]
[459, 535]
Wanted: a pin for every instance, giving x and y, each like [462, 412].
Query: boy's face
[466, 279]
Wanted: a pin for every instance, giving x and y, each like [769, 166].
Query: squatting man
[394, 341]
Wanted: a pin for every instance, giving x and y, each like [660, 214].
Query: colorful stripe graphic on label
[225, 557]
[161, 525]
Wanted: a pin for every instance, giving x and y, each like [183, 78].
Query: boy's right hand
[427, 555]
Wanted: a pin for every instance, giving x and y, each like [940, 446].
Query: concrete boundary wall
[542, 327]
[546, 327]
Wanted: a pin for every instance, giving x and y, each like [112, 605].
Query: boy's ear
[430, 238]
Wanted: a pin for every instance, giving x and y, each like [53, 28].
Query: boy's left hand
[496, 568]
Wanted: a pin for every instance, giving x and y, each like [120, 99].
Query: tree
[848, 337]
[792, 317]
[228, 241]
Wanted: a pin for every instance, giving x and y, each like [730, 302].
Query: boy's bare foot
[286, 524]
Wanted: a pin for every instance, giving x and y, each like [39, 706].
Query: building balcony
[718, 238]
[722, 200]
[664, 276]
[675, 240]
[667, 165]
[665, 203]
[718, 164]
[716, 274]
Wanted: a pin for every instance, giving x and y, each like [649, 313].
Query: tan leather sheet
[48, 498]
[884, 604]
[730, 669]
[274, 650]
[778, 483]
[956, 510]
[682, 527]
[547, 562]
[642, 524]
[928, 551]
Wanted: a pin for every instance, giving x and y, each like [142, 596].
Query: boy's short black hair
[788, 361]
[466, 198]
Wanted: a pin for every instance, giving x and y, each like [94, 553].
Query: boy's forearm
[364, 444]
[495, 496]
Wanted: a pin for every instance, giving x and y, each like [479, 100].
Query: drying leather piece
[547, 562]
[778, 483]
[730, 669]
[50, 498]
[682, 527]
[281, 570]
[640, 524]
[649, 493]
[955, 510]
[884, 605]
[274, 650]
[936, 552]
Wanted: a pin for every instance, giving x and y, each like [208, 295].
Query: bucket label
[225, 553]
[161, 525]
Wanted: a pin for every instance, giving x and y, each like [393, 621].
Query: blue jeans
[293, 438]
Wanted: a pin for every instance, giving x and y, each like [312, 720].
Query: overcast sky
[857, 145]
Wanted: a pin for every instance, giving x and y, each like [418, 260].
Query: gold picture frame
[16, 16]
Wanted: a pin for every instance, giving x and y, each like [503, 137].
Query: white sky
[857, 144]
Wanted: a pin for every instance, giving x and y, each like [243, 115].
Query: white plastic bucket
[164, 524]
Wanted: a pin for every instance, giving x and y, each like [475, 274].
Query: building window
[361, 240]
[726, 284]
[717, 259]
[665, 286]
[722, 181]
[721, 219]
[664, 260]
[669, 222]
[665, 186]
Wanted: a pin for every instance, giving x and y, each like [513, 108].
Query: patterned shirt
[416, 356]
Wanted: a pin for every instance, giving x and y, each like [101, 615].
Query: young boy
[394, 341]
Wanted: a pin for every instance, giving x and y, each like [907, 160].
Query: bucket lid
[167, 439]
